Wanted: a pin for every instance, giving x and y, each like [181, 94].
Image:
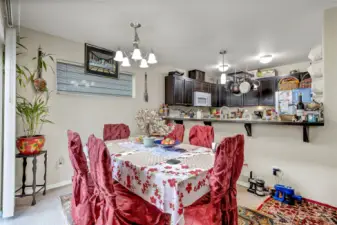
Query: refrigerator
[286, 101]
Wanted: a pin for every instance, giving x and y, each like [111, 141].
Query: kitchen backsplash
[175, 110]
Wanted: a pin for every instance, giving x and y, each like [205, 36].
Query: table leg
[24, 165]
[45, 173]
[34, 180]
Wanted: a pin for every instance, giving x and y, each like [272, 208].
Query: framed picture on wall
[100, 61]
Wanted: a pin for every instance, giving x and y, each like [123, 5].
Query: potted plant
[33, 113]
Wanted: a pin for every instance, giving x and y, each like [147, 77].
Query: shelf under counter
[248, 123]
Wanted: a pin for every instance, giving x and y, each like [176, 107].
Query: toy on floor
[286, 194]
[256, 186]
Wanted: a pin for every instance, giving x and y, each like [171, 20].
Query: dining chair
[115, 131]
[202, 136]
[222, 208]
[81, 192]
[177, 133]
[112, 203]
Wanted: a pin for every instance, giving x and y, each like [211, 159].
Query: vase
[30, 145]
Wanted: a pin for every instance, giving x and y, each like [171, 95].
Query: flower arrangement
[150, 122]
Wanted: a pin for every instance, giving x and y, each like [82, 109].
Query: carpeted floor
[246, 216]
[307, 213]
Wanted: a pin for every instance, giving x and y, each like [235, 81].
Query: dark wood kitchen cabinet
[215, 95]
[188, 92]
[251, 98]
[235, 101]
[178, 91]
[201, 86]
[267, 91]
[224, 96]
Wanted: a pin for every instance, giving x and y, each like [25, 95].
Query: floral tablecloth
[145, 172]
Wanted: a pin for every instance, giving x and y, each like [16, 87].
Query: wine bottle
[300, 108]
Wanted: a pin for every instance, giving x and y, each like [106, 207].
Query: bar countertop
[244, 121]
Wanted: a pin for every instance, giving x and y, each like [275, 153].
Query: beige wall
[85, 114]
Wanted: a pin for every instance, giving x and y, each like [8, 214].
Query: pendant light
[223, 68]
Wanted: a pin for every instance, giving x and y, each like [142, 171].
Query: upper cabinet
[178, 91]
[201, 86]
[251, 98]
[188, 92]
[267, 91]
[214, 93]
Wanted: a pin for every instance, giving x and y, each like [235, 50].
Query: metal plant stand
[34, 185]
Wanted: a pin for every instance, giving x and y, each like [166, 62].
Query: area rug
[253, 217]
[66, 208]
[306, 213]
[246, 216]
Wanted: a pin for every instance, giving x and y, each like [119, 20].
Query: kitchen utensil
[148, 141]
[245, 87]
[146, 95]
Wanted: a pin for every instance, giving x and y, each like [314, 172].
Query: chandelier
[136, 54]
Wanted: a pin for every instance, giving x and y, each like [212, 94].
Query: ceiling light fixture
[119, 56]
[223, 68]
[136, 54]
[266, 59]
[126, 62]
[152, 58]
[143, 64]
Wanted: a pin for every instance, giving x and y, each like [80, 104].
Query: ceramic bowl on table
[159, 143]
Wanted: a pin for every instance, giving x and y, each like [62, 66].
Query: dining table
[169, 178]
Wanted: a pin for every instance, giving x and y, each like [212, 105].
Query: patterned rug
[307, 213]
[246, 216]
[66, 207]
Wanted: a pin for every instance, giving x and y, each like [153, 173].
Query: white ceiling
[188, 34]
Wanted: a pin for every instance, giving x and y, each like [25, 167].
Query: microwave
[202, 99]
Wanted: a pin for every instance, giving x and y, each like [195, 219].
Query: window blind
[72, 78]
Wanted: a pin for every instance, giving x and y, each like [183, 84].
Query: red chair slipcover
[112, 203]
[80, 201]
[202, 136]
[222, 209]
[115, 132]
[177, 133]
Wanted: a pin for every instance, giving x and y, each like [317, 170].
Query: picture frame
[100, 61]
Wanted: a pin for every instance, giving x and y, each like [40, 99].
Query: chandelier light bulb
[126, 62]
[152, 59]
[119, 56]
[266, 59]
[136, 55]
[223, 68]
[143, 64]
[223, 78]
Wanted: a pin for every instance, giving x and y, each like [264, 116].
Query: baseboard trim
[29, 190]
[242, 183]
[57, 185]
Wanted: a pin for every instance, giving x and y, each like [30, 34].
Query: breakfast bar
[248, 123]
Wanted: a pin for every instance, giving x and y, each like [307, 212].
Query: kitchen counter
[248, 123]
[273, 122]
